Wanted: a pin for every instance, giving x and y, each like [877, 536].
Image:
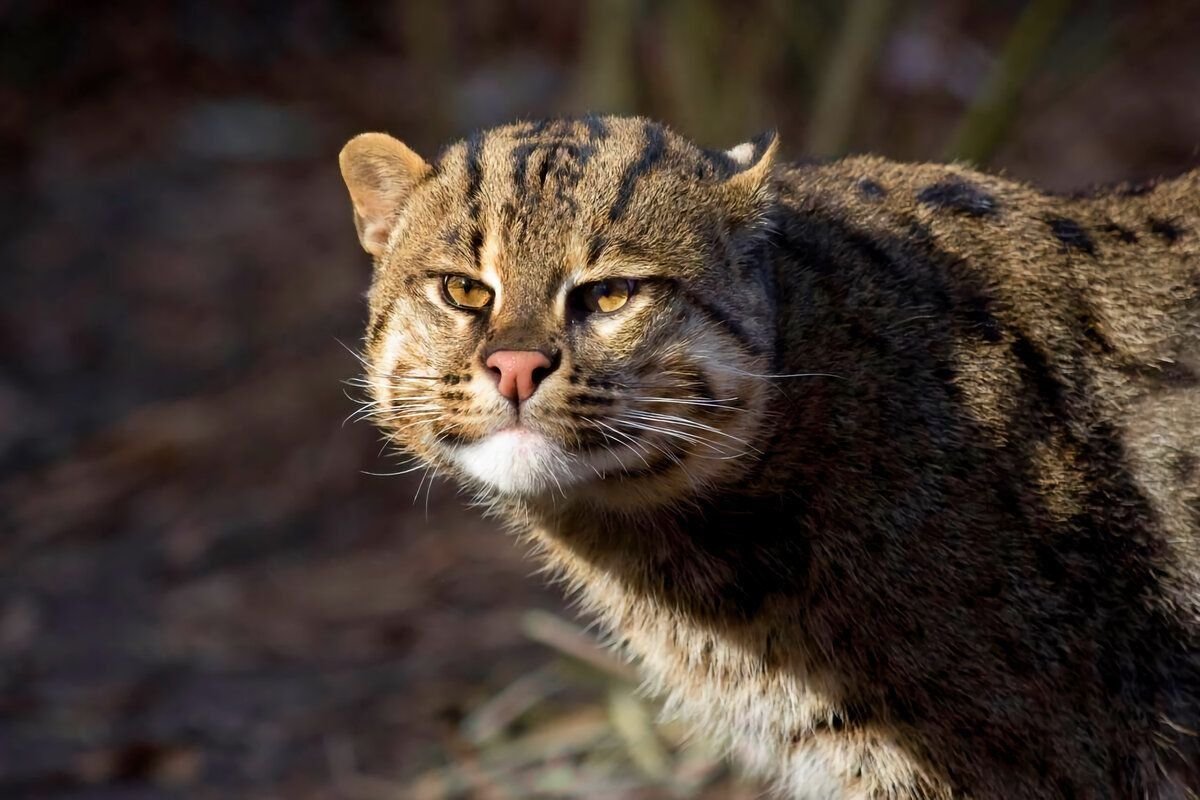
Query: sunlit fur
[888, 475]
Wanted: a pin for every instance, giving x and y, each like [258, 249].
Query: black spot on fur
[1122, 234]
[1072, 235]
[871, 189]
[959, 196]
[1166, 229]
[652, 153]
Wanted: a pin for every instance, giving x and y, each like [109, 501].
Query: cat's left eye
[467, 293]
[604, 297]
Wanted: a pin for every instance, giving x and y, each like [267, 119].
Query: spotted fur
[925, 520]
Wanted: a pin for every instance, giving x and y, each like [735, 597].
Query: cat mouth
[518, 460]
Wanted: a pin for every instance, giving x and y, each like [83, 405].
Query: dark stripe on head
[475, 171]
[521, 154]
[1071, 234]
[596, 246]
[959, 196]
[597, 128]
[477, 246]
[534, 129]
[652, 153]
[475, 190]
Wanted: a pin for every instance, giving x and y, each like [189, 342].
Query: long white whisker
[630, 442]
[736, 371]
[672, 419]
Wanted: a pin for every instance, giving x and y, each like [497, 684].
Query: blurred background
[204, 589]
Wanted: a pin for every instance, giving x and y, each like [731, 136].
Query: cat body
[888, 474]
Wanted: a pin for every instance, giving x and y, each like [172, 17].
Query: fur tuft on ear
[380, 173]
[748, 189]
[754, 160]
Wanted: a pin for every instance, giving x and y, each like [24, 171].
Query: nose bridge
[523, 323]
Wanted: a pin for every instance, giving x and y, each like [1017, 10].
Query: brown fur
[926, 522]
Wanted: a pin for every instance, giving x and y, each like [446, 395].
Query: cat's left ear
[750, 184]
[380, 173]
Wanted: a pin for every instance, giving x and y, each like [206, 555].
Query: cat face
[571, 304]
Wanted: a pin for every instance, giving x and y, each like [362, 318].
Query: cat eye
[604, 297]
[466, 293]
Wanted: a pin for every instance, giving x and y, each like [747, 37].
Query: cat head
[573, 307]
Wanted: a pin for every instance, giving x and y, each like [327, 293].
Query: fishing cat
[887, 473]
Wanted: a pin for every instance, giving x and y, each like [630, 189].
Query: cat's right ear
[380, 173]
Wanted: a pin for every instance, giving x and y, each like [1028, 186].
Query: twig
[569, 640]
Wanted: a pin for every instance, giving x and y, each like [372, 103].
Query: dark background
[202, 592]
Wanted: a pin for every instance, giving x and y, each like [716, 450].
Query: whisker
[394, 474]
[358, 357]
[629, 441]
[716, 447]
[737, 371]
[692, 401]
[671, 418]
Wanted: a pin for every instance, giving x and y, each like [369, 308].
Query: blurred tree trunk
[849, 67]
[716, 75]
[607, 80]
[428, 40]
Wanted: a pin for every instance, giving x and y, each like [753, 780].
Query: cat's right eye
[466, 293]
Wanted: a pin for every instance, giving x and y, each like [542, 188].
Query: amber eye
[603, 297]
[466, 293]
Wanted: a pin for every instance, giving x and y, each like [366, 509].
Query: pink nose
[520, 372]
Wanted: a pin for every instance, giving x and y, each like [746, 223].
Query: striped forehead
[539, 195]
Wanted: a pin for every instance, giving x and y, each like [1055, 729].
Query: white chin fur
[524, 462]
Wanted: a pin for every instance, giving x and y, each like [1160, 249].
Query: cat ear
[380, 173]
[753, 161]
[749, 187]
